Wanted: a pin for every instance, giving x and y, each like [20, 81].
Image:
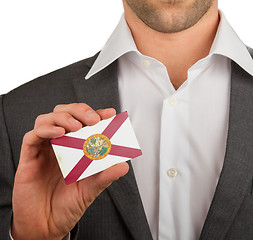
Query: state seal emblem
[97, 147]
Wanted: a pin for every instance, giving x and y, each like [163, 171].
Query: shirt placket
[174, 174]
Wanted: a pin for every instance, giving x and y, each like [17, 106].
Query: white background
[37, 37]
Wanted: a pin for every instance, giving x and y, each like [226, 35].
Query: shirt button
[172, 102]
[172, 172]
[146, 63]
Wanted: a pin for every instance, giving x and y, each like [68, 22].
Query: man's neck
[177, 51]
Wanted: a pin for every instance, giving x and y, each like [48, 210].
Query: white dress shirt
[182, 132]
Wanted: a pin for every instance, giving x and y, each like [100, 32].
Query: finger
[61, 119]
[80, 111]
[106, 113]
[42, 134]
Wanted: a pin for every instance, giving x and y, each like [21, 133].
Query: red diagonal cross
[78, 143]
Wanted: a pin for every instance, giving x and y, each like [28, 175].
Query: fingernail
[91, 114]
[73, 121]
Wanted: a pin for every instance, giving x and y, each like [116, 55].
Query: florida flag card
[92, 149]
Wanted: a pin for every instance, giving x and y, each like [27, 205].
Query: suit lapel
[237, 169]
[101, 91]
[125, 195]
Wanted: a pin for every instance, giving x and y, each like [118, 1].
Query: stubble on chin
[170, 16]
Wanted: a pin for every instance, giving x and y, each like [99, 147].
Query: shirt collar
[226, 43]
[119, 43]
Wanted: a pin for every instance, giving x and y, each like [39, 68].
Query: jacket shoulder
[54, 87]
[60, 77]
[21, 106]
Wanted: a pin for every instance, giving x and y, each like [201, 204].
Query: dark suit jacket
[117, 214]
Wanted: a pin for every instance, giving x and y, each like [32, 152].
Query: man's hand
[44, 207]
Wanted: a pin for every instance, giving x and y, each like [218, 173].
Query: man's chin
[169, 16]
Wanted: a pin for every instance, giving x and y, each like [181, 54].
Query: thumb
[92, 186]
[105, 178]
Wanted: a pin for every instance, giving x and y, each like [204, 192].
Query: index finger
[80, 111]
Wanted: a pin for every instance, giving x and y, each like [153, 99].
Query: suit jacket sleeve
[7, 172]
